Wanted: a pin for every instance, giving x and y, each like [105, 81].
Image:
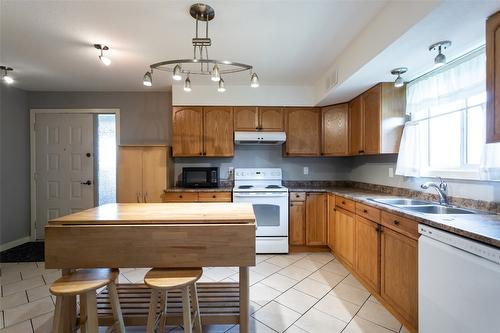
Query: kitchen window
[447, 132]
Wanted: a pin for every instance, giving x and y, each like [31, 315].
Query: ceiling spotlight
[216, 73]
[254, 81]
[221, 88]
[399, 80]
[440, 59]
[177, 74]
[5, 75]
[148, 79]
[105, 60]
[187, 84]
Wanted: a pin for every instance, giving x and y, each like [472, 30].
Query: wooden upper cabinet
[371, 120]
[316, 223]
[493, 78]
[376, 120]
[246, 118]
[335, 121]
[187, 131]
[271, 119]
[399, 274]
[303, 131]
[218, 131]
[356, 126]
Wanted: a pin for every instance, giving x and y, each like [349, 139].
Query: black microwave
[200, 177]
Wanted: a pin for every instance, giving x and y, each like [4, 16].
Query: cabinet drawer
[181, 197]
[214, 196]
[345, 203]
[400, 224]
[297, 196]
[368, 212]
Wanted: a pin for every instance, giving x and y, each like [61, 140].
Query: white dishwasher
[458, 284]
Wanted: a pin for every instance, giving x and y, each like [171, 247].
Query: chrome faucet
[441, 188]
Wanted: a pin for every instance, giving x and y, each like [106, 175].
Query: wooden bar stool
[161, 280]
[85, 283]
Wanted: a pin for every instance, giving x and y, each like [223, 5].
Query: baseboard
[14, 243]
[305, 248]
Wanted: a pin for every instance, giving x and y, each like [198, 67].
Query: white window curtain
[439, 92]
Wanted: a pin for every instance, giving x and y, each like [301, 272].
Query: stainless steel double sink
[426, 207]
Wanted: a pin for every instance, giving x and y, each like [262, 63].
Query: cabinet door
[246, 118]
[297, 223]
[154, 173]
[399, 274]
[356, 126]
[129, 175]
[344, 236]
[218, 131]
[368, 252]
[271, 119]
[372, 100]
[187, 131]
[303, 128]
[335, 130]
[331, 221]
[493, 78]
[316, 219]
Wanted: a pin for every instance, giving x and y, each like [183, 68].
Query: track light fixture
[399, 80]
[254, 81]
[222, 87]
[440, 59]
[187, 84]
[176, 75]
[105, 60]
[148, 79]
[5, 74]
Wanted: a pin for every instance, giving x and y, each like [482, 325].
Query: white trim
[33, 113]
[14, 243]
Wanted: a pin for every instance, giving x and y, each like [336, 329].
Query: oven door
[271, 211]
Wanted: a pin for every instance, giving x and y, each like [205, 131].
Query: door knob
[88, 182]
[88, 154]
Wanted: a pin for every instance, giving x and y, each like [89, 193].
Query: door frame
[33, 113]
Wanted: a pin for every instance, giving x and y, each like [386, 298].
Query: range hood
[259, 138]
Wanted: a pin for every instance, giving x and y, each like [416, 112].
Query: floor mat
[32, 251]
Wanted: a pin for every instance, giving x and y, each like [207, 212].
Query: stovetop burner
[243, 187]
[273, 186]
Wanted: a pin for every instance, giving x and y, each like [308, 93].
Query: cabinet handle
[291, 205]
[257, 128]
[343, 202]
[214, 196]
[296, 195]
[365, 211]
[137, 195]
[146, 197]
[361, 151]
[379, 229]
[180, 196]
[201, 153]
[396, 222]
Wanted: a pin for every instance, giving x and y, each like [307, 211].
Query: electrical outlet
[230, 172]
[306, 170]
[391, 172]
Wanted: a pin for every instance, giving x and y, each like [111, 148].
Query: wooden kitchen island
[160, 235]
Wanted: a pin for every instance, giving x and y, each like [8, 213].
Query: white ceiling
[289, 42]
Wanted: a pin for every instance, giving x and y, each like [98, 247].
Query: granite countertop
[484, 228]
[189, 189]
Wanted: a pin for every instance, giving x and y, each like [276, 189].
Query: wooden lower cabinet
[344, 245]
[316, 219]
[297, 219]
[367, 252]
[399, 274]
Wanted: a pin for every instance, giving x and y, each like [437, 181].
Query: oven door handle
[260, 195]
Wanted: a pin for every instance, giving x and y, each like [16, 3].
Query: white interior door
[64, 166]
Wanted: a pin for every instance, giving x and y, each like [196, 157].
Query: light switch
[306, 170]
[391, 172]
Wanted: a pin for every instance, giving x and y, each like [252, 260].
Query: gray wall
[14, 165]
[375, 169]
[144, 116]
[323, 168]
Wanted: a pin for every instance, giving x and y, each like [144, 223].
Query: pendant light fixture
[5, 74]
[105, 60]
[221, 88]
[201, 64]
[399, 80]
[440, 59]
[187, 84]
[148, 79]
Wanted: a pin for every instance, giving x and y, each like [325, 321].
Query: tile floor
[295, 293]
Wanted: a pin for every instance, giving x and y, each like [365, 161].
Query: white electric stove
[263, 188]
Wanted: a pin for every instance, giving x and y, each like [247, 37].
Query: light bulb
[8, 79]
[399, 82]
[221, 88]
[440, 59]
[147, 79]
[187, 85]
[177, 75]
[215, 73]
[254, 81]
[105, 60]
